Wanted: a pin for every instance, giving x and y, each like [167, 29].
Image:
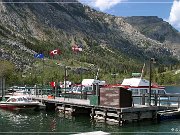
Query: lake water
[44, 122]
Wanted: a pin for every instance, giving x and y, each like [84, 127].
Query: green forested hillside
[109, 43]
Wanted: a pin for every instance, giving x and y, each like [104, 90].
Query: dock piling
[143, 99]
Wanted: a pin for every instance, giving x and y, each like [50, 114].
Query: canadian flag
[55, 52]
[53, 84]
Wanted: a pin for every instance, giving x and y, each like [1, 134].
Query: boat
[87, 85]
[168, 115]
[20, 91]
[140, 86]
[19, 103]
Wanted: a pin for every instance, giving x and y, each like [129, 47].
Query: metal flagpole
[42, 78]
[142, 71]
[65, 74]
[81, 68]
[81, 76]
[152, 60]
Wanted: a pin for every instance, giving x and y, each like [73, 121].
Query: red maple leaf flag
[55, 52]
[53, 84]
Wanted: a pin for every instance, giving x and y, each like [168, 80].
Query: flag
[76, 48]
[39, 55]
[55, 52]
[53, 84]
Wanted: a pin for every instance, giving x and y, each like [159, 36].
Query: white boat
[140, 86]
[19, 103]
[87, 85]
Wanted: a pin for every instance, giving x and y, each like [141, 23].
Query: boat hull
[19, 106]
[168, 115]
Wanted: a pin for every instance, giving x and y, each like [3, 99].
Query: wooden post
[178, 100]
[132, 102]
[139, 115]
[155, 99]
[94, 89]
[168, 104]
[37, 92]
[105, 115]
[41, 93]
[154, 115]
[73, 110]
[98, 92]
[120, 121]
[143, 99]
[85, 95]
[159, 99]
[92, 113]
[64, 108]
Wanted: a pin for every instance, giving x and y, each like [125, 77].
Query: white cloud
[174, 18]
[102, 4]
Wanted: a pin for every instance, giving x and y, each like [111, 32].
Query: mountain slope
[154, 28]
[27, 28]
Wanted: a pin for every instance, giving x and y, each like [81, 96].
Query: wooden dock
[69, 106]
[110, 105]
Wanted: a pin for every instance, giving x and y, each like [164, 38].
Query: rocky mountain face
[27, 28]
[154, 28]
[157, 29]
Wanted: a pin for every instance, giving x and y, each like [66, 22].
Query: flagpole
[77, 49]
[81, 74]
[43, 78]
[65, 79]
[142, 71]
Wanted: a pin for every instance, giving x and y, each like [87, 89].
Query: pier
[89, 104]
[73, 107]
[109, 105]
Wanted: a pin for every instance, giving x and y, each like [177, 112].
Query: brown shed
[115, 97]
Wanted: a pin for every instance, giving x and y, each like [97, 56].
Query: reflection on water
[53, 122]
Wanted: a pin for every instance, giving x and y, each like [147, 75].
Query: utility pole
[152, 60]
[65, 74]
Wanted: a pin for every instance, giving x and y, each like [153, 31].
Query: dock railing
[167, 100]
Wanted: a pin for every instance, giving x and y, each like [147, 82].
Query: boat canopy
[135, 82]
[139, 82]
[89, 82]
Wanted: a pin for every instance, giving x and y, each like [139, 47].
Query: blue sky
[169, 10]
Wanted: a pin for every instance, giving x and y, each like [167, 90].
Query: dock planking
[103, 113]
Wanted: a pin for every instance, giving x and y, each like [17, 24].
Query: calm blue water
[53, 123]
[172, 89]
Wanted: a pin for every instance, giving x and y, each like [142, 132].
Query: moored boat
[19, 103]
[140, 86]
[168, 115]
